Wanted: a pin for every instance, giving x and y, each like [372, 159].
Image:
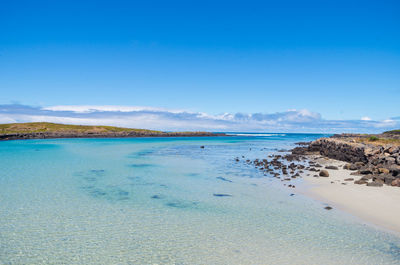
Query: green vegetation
[373, 138]
[377, 140]
[33, 127]
[39, 130]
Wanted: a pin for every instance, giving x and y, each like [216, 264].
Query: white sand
[375, 205]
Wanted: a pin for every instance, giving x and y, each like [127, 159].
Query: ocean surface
[168, 201]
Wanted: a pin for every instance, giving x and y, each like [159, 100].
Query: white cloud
[97, 108]
[366, 118]
[178, 120]
[6, 119]
[387, 123]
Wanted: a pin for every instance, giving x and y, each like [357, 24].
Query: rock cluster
[286, 167]
[376, 164]
[339, 149]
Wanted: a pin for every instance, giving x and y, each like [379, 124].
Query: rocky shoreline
[372, 165]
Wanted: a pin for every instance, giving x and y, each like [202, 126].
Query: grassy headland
[385, 138]
[40, 130]
[32, 127]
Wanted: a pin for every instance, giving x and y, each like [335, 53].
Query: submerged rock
[224, 179]
[221, 195]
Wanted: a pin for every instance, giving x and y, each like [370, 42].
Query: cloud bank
[180, 120]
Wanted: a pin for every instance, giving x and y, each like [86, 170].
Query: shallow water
[168, 201]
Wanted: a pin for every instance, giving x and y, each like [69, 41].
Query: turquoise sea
[153, 201]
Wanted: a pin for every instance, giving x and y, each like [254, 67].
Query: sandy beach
[375, 205]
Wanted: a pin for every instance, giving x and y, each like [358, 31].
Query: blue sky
[339, 60]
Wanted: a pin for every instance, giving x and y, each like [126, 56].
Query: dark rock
[349, 179]
[388, 179]
[347, 166]
[395, 170]
[365, 171]
[324, 173]
[396, 182]
[360, 182]
[222, 195]
[299, 150]
[332, 167]
[328, 208]
[358, 165]
[302, 143]
[202, 146]
[367, 177]
[353, 167]
[374, 184]
[224, 179]
[378, 180]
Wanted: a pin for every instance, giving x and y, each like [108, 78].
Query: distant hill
[31, 127]
[394, 132]
[42, 130]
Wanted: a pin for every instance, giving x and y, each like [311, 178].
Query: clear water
[151, 201]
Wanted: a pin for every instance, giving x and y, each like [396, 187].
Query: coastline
[105, 136]
[377, 206]
[357, 174]
[46, 130]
